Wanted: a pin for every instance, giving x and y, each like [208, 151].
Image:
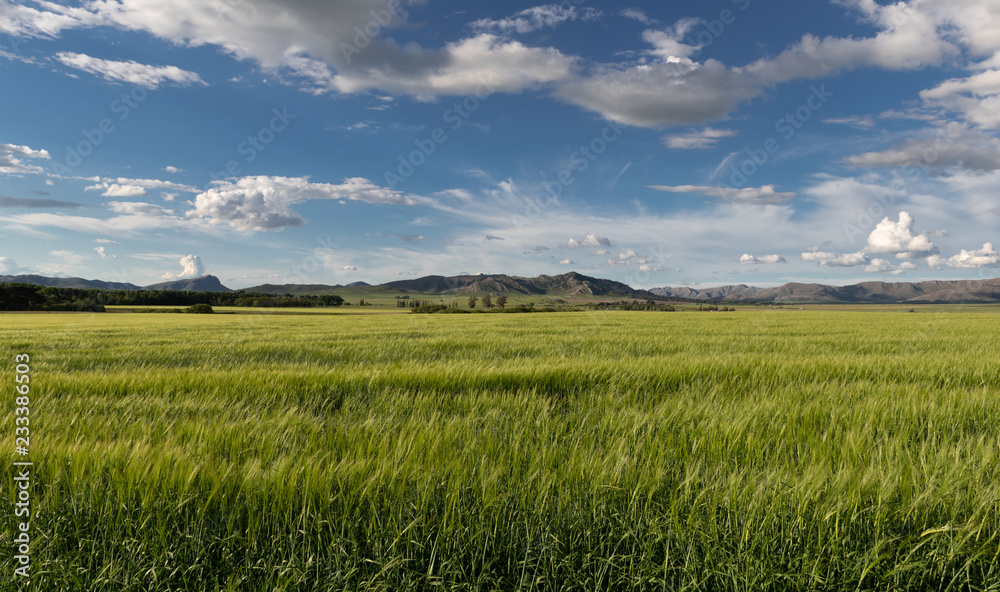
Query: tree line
[17, 296]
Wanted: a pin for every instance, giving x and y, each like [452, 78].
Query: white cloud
[748, 259]
[897, 238]
[975, 259]
[533, 19]
[134, 208]
[102, 251]
[566, 262]
[264, 203]
[698, 140]
[888, 238]
[105, 241]
[144, 75]
[856, 121]
[172, 169]
[116, 190]
[885, 266]
[10, 267]
[192, 268]
[19, 20]
[348, 268]
[827, 259]
[67, 256]
[12, 159]
[662, 93]
[908, 39]
[479, 65]
[941, 149]
[592, 240]
[765, 195]
[637, 15]
[107, 183]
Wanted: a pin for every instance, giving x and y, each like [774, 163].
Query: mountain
[73, 282]
[208, 283]
[568, 285]
[575, 285]
[865, 292]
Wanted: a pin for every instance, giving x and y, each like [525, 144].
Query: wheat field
[752, 450]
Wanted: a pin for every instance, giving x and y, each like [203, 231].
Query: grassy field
[755, 450]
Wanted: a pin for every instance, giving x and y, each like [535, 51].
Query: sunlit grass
[579, 451]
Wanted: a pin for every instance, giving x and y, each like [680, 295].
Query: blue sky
[656, 143]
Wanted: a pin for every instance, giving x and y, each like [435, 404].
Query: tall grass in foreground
[580, 451]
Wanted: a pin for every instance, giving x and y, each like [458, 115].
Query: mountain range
[577, 286]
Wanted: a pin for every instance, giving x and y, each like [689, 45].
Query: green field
[755, 450]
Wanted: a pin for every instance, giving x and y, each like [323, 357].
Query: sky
[657, 143]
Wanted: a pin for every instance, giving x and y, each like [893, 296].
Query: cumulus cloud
[748, 259]
[889, 237]
[12, 159]
[592, 240]
[143, 75]
[548, 16]
[173, 170]
[264, 203]
[975, 259]
[897, 238]
[348, 268]
[765, 195]
[192, 268]
[698, 140]
[103, 252]
[566, 262]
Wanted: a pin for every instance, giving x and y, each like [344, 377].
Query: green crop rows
[771, 450]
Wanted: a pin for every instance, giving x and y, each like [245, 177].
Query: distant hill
[866, 292]
[567, 285]
[208, 283]
[74, 282]
[575, 285]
